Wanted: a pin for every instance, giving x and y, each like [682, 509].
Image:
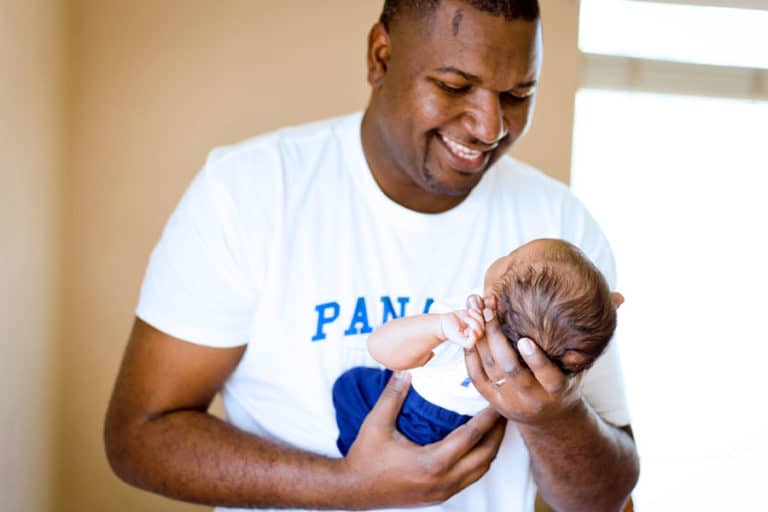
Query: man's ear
[379, 51]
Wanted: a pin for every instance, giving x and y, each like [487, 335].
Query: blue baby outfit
[355, 393]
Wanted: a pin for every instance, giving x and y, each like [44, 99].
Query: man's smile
[465, 158]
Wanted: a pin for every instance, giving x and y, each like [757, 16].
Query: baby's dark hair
[561, 301]
[510, 9]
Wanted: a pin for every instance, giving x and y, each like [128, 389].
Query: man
[288, 249]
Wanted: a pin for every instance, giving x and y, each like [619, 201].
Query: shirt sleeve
[603, 384]
[603, 388]
[201, 281]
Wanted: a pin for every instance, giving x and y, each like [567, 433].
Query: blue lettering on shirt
[329, 313]
[322, 319]
[359, 317]
[389, 310]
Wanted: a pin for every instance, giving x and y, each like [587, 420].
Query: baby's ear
[618, 299]
[573, 359]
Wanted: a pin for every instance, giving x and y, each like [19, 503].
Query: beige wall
[153, 86]
[548, 144]
[31, 61]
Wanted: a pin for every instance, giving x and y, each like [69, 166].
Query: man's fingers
[478, 460]
[500, 349]
[388, 406]
[551, 378]
[456, 445]
[499, 358]
[490, 367]
[475, 368]
[465, 455]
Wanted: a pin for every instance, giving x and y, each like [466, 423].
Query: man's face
[455, 91]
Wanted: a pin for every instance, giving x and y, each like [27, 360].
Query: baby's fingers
[475, 326]
[477, 315]
[467, 340]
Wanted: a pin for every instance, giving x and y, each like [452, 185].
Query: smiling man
[288, 249]
[453, 88]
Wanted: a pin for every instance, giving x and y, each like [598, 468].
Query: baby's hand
[463, 327]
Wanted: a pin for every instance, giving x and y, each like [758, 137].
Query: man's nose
[485, 118]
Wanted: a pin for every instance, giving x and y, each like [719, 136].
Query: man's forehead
[456, 15]
[477, 45]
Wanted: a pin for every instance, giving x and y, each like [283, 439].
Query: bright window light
[679, 185]
[683, 33]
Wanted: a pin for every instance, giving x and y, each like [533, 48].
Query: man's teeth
[461, 150]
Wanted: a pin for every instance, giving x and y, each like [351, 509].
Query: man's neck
[394, 182]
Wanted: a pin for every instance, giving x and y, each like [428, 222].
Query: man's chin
[444, 188]
[453, 182]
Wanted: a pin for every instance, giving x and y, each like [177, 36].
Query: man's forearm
[196, 457]
[582, 463]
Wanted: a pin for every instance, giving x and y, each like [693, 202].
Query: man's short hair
[562, 302]
[511, 9]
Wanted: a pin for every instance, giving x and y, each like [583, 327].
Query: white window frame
[674, 77]
[643, 75]
[738, 4]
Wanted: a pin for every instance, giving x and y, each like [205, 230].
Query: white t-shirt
[286, 243]
[443, 380]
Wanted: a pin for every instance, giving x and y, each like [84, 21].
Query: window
[677, 175]
[705, 35]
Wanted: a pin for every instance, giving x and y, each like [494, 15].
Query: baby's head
[548, 291]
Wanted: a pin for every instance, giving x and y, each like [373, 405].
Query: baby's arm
[408, 342]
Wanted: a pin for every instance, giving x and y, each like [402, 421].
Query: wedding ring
[499, 382]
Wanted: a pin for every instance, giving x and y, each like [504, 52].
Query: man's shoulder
[546, 203]
[523, 185]
[513, 172]
[281, 150]
[544, 206]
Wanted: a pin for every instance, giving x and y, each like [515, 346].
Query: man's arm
[601, 467]
[579, 461]
[159, 436]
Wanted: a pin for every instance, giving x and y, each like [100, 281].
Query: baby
[546, 290]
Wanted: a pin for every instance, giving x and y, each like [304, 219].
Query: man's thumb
[391, 400]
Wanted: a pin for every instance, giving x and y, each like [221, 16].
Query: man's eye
[452, 88]
[513, 99]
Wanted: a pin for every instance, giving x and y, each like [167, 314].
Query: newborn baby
[545, 290]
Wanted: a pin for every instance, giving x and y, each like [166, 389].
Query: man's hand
[159, 437]
[579, 461]
[530, 390]
[387, 469]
